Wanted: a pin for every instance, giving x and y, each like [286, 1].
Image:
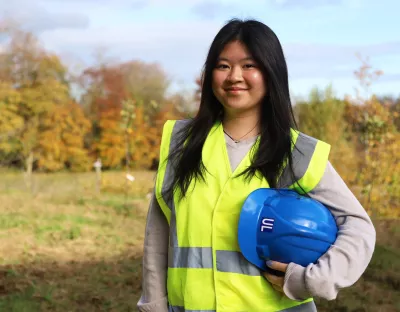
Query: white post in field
[97, 166]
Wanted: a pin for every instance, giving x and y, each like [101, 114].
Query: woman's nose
[235, 74]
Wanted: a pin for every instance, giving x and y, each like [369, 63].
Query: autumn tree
[103, 104]
[146, 83]
[11, 123]
[323, 116]
[376, 139]
[109, 89]
[37, 77]
[197, 93]
[394, 107]
[34, 92]
[61, 139]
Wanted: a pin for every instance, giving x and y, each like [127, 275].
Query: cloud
[127, 3]
[309, 52]
[388, 78]
[305, 4]
[181, 53]
[133, 4]
[35, 18]
[175, 2]
[331, 61]
[319, 69]
[141, 4]
[211, 9]
[44, 22]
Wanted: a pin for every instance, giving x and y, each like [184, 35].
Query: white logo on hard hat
[267, 224]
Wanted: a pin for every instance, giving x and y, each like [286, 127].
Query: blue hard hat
[281, 225]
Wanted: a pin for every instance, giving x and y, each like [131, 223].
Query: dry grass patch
[64, 247]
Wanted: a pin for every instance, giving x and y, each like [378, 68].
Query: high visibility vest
[206, 270]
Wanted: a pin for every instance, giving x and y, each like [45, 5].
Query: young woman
[242, 139]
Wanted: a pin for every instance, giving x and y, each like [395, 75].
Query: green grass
[12, 220]
[63, 247]
[108, 285]
[22, 301]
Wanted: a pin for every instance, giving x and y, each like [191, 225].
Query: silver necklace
[238, 140]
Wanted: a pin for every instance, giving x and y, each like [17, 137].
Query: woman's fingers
[277, 288]
[278, 266]
[274, 280]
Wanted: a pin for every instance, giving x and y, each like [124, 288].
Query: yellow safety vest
[206, 270]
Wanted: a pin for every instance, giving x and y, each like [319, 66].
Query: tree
[376, 138]
[104, 99]
[322, 116]
[145, 82]
[110, 89]
[61, 140]
[36, 99]
[11, 123]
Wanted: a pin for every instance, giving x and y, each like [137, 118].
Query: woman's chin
[237, 106]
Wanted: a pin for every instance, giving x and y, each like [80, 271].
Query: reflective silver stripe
[182, 309]
[169, 170]
[190, 257]
[168, 178]
[301, 155]
[173, 236]
[305, 307]
[234, 262]
[201, 258]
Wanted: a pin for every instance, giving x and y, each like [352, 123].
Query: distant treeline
[121, 107]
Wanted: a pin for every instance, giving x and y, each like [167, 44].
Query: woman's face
[238, 82]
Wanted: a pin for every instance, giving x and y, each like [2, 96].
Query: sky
[320, 38]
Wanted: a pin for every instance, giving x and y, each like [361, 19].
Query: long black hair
[276, 113]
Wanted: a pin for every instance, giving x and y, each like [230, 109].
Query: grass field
[63, 247]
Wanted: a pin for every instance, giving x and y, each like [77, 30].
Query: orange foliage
[124, 107]
[61, 139]
[119, 135]
[144, 140]
[377, 143]
[110, 146]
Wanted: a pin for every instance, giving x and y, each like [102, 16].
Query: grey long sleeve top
[340, 267]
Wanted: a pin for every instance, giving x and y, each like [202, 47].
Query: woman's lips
[235, 90]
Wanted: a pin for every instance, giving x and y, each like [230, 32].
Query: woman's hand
[276, 281]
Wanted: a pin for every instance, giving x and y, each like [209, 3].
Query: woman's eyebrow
[249, 58]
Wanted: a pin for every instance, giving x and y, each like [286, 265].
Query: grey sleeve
[344, 263]
[155, 261]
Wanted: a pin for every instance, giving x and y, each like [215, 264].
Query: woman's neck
[241, 127]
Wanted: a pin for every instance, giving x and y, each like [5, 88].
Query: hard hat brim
[249, 227]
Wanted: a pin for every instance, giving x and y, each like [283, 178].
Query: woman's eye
[222, 66]
[249, 66]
